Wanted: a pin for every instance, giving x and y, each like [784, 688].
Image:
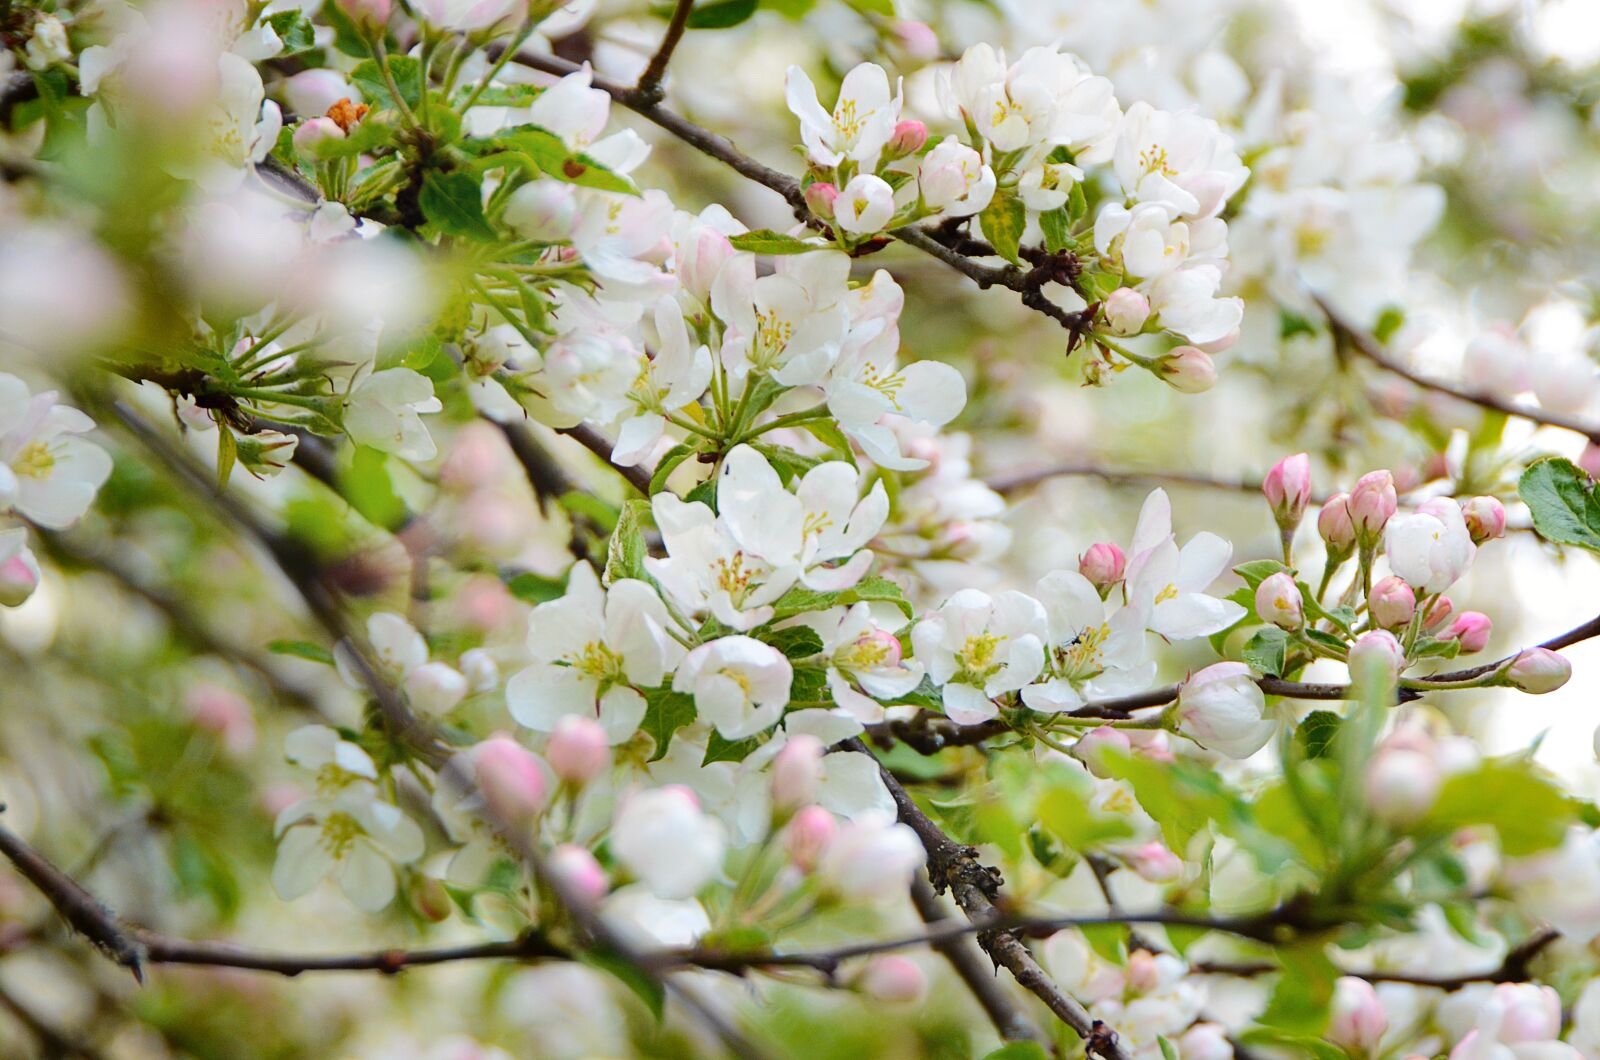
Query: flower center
[35, 461]
[886, 383]
[772, 332]
[596, 660]
[1082, 658]
[339, 834]
[1169, 593]
[1153, 159]
[846, 122]
[979, 656]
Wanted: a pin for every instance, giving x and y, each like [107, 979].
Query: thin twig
[1369, 347]
[601, 446]
[649, 84]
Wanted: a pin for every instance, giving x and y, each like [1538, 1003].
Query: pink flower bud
[1376, 651]
[1391, 603]
[808, 835]
[1401, 784]
[224, 712]
[1358, 1020]
[1538, 670]
[512, 779]
[578, 869]
[1486, 518]
[918, 39]
[429, 898]
[820, 197]
[907, 139]
[315, 135]
[1472, 629]
[1335, 525]
[1438, 613]
[796, 772]
[1589, 461]
[1288, 489]
[368, 13]
[577, 749]
[1530, 1012]
[1188, 369]
[1092, 746]
[893, 978]
[1103, 564]
[881, 645]
[1278, 601]
[1155, 862]
[1126, 311]
[1372, 503]
[19, 577]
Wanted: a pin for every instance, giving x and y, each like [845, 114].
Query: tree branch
[649, 84]
[601, 446]
[1370, 348]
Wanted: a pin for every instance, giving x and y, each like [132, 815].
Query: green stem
[499, 64]
[380, 55]
[789, 420]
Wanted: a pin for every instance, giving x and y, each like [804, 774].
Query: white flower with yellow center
[861, 123]
[47, 474]
[739, 684]
[978, 647]
[593, 649]
[675, 377]
[866, 664]
[1183, 162]
[1172, 581]
[1095, 650]
[789, 324]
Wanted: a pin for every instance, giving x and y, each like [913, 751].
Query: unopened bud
[577, 868]
[808, 835]
[1188, 369]
[1092, 746]
[1288, 489]
[893, 978]
[368, 14]
[315, 136]
[1589, 460]
[918, 39]
[907, 139]
[435, 688]
[1278, 601]
[1335, 525]
[1103, 564]
[19, 577]
[1376, 652]
[820, 198]
[266, 453]
[578, 749]
[1357, 1020]
[1472, 629]
[512, 779]
[1126, 311]
[796, 772]
[1155, 862]
[1485, 518]
[1438, 613]
[1372, 503]
[1538, 670]
[1401, 784]
[1391, 603]
[429, 898]
[480, 670]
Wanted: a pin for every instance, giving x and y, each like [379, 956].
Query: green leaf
[1057, 228]
[1018, 1051]
[1265, 651]
[1563, 502]
[1003, 221]
[1529, 812]
[347, 37]
[828, 433]
[1257, 571]
[1318, 731]
[644, 986]
[796, 642]
[1168, 1050]
[368, 488]
[407, 72]
[665, 712]
[1299, 1003]
[874, 590]
[597, 511]
[551, 156]
[453, 203]
[720, 14]
[301, 649]
[295, 30]
[721, 749]
[534, 588]
[227, 453]
[766, 241]
[626, 551]
[669, 463]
